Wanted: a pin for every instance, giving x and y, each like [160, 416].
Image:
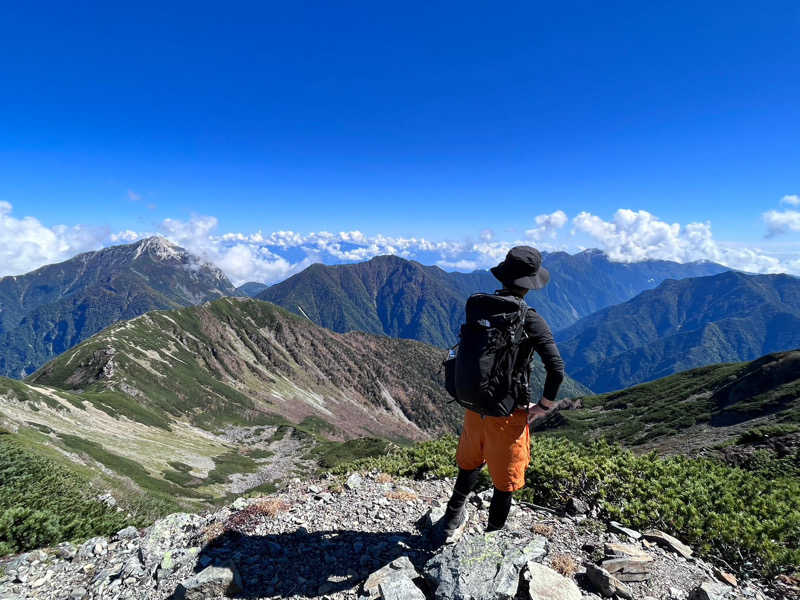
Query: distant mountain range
[400, 298]
[251, 289]
[47, 311]
[683, 324]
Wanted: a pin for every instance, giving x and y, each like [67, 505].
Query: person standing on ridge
[501, 442]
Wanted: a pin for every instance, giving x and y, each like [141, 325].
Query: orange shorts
[503, 443]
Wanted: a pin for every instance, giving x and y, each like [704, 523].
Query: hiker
[503, 442]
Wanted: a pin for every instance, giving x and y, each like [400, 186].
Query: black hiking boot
[448, 528]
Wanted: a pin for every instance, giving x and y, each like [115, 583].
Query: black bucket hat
[522, 267]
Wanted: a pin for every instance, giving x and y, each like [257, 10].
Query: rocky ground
[366, 539]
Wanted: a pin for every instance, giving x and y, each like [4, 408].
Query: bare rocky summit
[364, 538]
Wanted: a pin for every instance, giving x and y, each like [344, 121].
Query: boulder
[669, 542]
[545, 584]
[709, 590]
[481, 567]
[173, 531]
[127, 534]
[619, 528]
[400, 568]
[354, 481]
[627, 562]
[92, 547]
[211, 582]
[606, 584]
[66, 551]
[576, 506]
[625, 550]
[628, 569]
[400, 587]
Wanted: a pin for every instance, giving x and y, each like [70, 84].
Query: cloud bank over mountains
[628, 236]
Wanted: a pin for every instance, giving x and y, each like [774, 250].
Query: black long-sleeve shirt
[545, 346]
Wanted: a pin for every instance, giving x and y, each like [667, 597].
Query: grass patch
[228, 464]
[316, 426]
[762, 434]
[128, 468]
[258, 453]
[331, 454]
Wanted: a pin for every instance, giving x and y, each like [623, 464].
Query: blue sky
[458, 123]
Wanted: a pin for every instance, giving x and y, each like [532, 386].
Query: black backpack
[489, 373]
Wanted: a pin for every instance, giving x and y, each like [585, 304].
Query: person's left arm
[544, 344]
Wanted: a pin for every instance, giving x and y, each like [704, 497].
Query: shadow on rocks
[305, 564]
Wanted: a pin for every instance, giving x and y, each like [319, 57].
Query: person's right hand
[535, 412]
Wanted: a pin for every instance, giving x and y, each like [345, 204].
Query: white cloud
[638, 235]
[547, 226]
[792, 199]
[26, 244]
[781, 221]
[272, 256]
[126, 236]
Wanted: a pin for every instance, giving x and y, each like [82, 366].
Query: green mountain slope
[694, 409]
[683, 324]
[400, 298]
[200, 402]
[47, 311]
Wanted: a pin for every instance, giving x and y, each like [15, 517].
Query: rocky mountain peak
[158, 247]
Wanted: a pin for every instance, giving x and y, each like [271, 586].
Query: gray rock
[127, 534]
[480, 567]
[108, 500]
[576, 506]
[211, 582]
[240, 504]
[174, 560]
[606, 584]
[66, 551]
[132, 568]
[666, 540]
[676, 593]
[92, 547]
[78, 593]
[629, 568]
[627, 562]
[545, 584]
[619, 528]
[354, 481]
[483, 499]
[709, 590]
[172, 531]
[399, 567]
[400, 587]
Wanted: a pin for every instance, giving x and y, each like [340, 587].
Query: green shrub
[760, 434]
[745, 518]
[42, 502]
[23, 527]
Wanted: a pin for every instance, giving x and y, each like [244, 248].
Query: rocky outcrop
[323, 540]
[481, 567]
